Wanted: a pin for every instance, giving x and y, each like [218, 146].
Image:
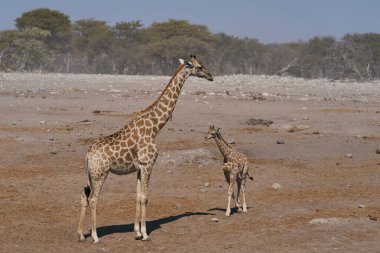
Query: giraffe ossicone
[133, 149]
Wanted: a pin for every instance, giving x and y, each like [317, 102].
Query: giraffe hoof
[146, 239]
[140, 237]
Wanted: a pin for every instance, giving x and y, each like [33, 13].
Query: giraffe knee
[143, 200]
[83, 200]
[85, 195]
[92, 201]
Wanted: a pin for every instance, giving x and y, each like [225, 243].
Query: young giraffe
[133, 149]
[235, 168]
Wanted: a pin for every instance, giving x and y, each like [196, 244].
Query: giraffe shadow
[233, 209]
[151, 225]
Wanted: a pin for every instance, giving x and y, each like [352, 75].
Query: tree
[57, 23]
[316, 55]
[174, 28]
[30, 52]
[93, 39]
[127, 30]
[366, 55]
[129, 47]
[6, 41]
[165, 53]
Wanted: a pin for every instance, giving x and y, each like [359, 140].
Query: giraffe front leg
[243, 193]
[230, 193]
[144, 202]
[145, 168]
[237, 200]
[138, 208]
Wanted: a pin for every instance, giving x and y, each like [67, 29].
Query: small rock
[254, 122]
[319, 221]
[280, 141]
[20, 138]
[377, 151]
[348, 155]
[171, 161]
[178, 206]
[14, 123]
[266, 94]
[203, 190]
[43, 122]
[371, 217]
[53, 152]
[169, 172]
[51, 138]
[302, 127]
[276, 186]
[315, 132]
[214, 219]
[361, 206]
[207, 184]
[231, 141]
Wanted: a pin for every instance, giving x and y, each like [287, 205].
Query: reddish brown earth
[48, 121]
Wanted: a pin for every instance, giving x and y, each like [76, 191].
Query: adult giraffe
[133, 149]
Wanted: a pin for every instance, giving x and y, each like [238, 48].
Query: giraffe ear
[181, 61]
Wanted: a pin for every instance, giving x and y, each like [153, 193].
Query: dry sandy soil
[328, 201]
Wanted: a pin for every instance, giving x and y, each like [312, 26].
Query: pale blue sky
[266, 20]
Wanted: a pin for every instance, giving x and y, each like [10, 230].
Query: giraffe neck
[224, 148]
[161, 110]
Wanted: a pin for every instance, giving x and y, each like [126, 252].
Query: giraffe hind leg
[93, 200]
[237, 200]
[84, 204]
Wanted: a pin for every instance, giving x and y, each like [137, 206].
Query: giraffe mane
[220, 136]
[162, 93]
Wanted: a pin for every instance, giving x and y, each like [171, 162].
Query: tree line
[48, 41]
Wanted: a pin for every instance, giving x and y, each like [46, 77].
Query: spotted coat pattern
[235, 168]
[133, 149]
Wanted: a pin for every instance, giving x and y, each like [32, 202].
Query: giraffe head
[196, 68]
[212, 133]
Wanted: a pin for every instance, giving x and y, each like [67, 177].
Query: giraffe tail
[246, 169]
[87, 189]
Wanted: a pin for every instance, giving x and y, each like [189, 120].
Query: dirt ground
[328, 201]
